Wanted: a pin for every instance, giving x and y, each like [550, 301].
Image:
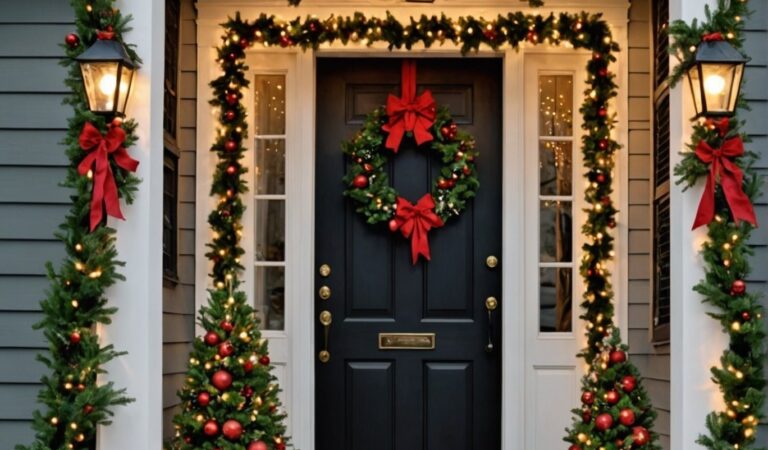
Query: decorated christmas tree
[230, 398]
[74, 403]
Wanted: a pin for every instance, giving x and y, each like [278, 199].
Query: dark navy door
[442, 398]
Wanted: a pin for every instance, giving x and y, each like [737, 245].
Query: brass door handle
[326, 318]
[490, 305]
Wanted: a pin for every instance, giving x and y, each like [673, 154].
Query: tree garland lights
[76, 302]
[607, 377]
[740, 377]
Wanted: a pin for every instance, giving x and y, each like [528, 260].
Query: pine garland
[726, 253]
[582, 31]
[76, 301]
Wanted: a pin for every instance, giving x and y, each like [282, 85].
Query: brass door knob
[491, 303]
[326, 318]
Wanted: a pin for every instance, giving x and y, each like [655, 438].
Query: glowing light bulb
[714, 84]
[107, 84]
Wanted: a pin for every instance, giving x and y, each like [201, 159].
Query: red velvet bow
[409, 113]
[713, 37]
[104, 186]
[731, 180]
[415, 221]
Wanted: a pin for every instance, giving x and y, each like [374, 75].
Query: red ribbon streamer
[104, 187]
[415, 221]
[731, 180]
[409, 113]
[713, 37]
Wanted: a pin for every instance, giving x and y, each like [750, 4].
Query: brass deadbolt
[324, 292]
[325, 271]
[492, 262]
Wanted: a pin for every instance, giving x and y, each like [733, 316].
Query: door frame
[300, 256]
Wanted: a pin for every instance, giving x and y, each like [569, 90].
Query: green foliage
[75, 302]
[238, 348]
[368, 157]
[726, 252]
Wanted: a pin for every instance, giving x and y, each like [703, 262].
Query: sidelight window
[269, 199]
[555, 156]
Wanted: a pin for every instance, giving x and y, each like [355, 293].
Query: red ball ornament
[627, 417]
[602, 112]
[230, 115]
[360, 181]
[600, 178]
[248, 366]
[244, 43]
[227, 326]
[586, 416]
[232, 98]
[745, 316]
[285, 41]
[257, 445]
[231, 170]
[232, 430]
[574, 447]
[117, 122]
[603, 144]
[232, 56]
[87, 409]
[603, 72]
[211, 428]
[588, 397]
[628, 383]
[603, 422]
[247, 392]
[739, 287]
[221, 380]
[612, 397]
[617, 357]
[230, 146]
[611, 224]
[445, 132]
[279, 446]
[393, 225]
[203, 399]
[264, 360]
[368, 167]
[226, 349]
[605, 201]
[72, 40]
[640, 435]
[466, 170]
[74, 338]
[211, 338]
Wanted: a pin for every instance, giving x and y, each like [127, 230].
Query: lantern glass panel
[693, 79]
[720, 87]
[100, 85]
[126, 80]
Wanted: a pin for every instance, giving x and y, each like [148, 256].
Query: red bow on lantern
[409, 113]
[731, 180]
[415, 221]
[713, 37]
[104, 186]
[722, 125]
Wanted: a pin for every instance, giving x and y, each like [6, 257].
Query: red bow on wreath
[731, 180]
[409, 113]
[104, 186]
[415, 221]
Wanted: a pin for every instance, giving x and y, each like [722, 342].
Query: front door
[448, 397]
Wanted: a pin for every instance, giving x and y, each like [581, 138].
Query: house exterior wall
[179, 298]
[652, 359]
[32, 163]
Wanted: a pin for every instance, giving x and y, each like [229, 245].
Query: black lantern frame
[715, 78]
[107, 72]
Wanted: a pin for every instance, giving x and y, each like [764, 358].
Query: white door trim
[301, 315]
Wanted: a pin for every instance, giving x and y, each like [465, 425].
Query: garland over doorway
[615, 411]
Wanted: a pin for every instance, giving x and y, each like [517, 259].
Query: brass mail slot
[406, 341]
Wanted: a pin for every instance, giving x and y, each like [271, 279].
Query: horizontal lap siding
[32, 164]
[756, 92]
[651, 360]
[179, 299]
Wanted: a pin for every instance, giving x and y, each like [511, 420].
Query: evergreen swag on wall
[76, 303]
[740, 376]
[615, 413]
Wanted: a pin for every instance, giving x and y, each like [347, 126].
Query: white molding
[697, 340]
[138, 326]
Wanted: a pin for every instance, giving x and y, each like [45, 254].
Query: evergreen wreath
[368, 177]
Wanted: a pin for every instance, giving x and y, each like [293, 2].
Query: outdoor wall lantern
[716, 76]
[107, 71]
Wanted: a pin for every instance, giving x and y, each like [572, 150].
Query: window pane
[555, 299]
[270, 297]
[555, 105]
[555, 222]
[270, 230]
[555, 167]
[270, 166]
[269, 94]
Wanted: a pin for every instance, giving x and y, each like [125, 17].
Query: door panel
[448, 397]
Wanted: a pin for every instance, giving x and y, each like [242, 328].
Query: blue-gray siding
[32, 123]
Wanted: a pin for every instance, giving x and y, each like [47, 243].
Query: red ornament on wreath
[612, 397]
[739, 287]
[257, 445]
[211, 338]
[72, 40]
[264, 360]
[627, 417]
[617, 357]
[415, 116]
[203, 399]
[603, 422]
[74, 338]
[588, 397]
[211, 428]
[628, 383]
[640, 436]
[227, 326]
[232, 430]
[226, 349]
